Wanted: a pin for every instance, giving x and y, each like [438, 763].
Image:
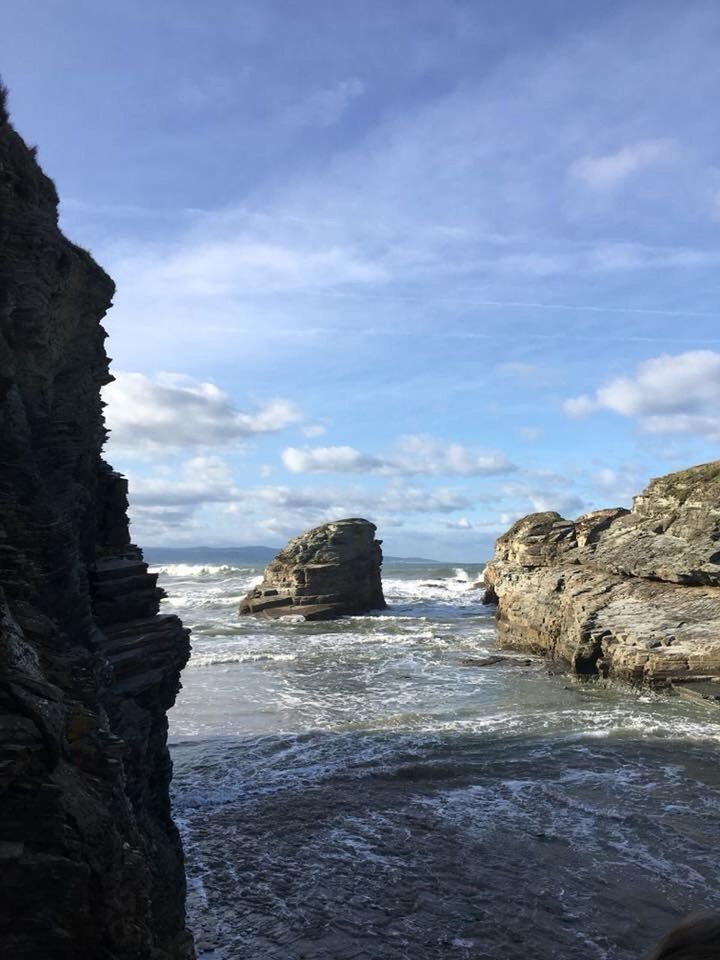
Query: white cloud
[581, 406]
[508, 518]
[462, 524]
[412, 455]
[611, 169]
[201, 480]
[402, 499]
[567, 504]
[168, 499]
[313, 430]
[333, 502]
[427, 455]
[165, 504]
[175, 412]
[157, 524]
[667, 394]
[619, 484]
[340, 459]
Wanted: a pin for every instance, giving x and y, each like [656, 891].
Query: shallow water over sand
[353, 789]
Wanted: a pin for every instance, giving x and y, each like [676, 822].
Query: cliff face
[326, 572]
[90, 861]
[630, 594]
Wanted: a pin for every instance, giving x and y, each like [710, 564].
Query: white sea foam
[205, 570]
[361, 757]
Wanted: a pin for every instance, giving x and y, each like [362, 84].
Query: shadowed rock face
[630, 594]
[90, 860]
[325, 573]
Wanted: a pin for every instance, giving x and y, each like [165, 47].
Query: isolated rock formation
[90, 861]
[325, 573]
[629, 594]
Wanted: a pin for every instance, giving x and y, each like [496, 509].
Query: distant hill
[410, 560]
[230, 556]
[234, 556]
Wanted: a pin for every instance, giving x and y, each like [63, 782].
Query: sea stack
[327, 572]
[628, 594]
[90, 859]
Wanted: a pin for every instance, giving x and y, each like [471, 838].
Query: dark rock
[628, 594]
[492, 661]
[489, 597]
[482, 661]
[707, 692]
[91, 861]
[325, 573]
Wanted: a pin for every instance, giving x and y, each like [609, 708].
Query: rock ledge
[628, 594]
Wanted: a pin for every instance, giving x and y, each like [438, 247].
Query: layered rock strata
[617, 593]
[90, 861]
[325, 573]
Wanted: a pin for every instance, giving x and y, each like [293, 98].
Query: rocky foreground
[632, 594]
[90, 861]
[327, 572]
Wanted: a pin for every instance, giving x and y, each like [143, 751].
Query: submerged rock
[483, 661]
[324, 573]
[628, 594]
[91, 859]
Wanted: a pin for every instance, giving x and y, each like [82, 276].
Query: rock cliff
[325, 573]
[90, 861]
[628, 594]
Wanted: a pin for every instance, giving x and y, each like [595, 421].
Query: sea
[382, 788]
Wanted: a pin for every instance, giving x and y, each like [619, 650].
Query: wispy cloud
[612, 169]
[325, 106]
[202, 267]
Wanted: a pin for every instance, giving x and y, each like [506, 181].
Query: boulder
[327, 572]
[628, 594]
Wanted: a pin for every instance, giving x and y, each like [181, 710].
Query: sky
[436, 263]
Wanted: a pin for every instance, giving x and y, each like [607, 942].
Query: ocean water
[359, 789]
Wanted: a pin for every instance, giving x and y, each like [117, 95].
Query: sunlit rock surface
[325, 573]
[628, 594]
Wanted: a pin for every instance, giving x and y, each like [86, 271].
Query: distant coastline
[251, 554]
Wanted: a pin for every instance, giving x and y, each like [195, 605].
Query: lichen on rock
[627, 594]
[327, 572]
[90, 861]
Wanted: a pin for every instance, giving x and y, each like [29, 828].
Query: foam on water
[355, 788]
[185, 571]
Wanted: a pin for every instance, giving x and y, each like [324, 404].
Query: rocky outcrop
[325, 573]
[628, 594]
[90, 861]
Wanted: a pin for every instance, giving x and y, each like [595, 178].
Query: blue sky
[439, 264]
